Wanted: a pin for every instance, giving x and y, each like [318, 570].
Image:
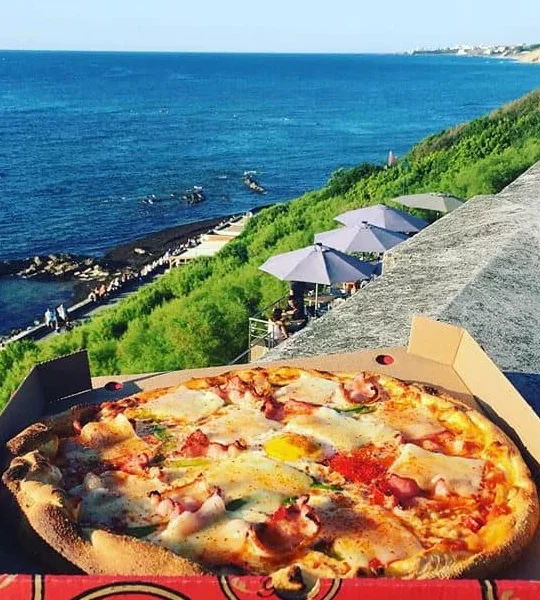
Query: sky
[353, 26]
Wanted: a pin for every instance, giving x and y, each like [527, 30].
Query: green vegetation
[197, 315]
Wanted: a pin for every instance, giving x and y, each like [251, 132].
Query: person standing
[276, 328]
[62, 315]
[53, 321]
[47, 318]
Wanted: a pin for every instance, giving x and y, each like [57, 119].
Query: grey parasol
[383, 216]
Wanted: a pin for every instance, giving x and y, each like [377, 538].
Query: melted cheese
[259, 506]
[110, 440]
[339, 431]
[116, 496]
[216, 543]
[254, 472]
[100, 434]
[462, 475]
[415, 424]
[184, 404]
[315, 390]
[376, 535]
[236, 423]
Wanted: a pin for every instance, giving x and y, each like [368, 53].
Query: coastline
[130, 256]
[529, 57]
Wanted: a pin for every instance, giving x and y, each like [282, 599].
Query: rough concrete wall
[477, 267]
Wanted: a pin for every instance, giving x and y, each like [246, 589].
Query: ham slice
[277, 411]
[364, 389]
[288, 529]
[403, 488]
[186, 522]
[198, 444]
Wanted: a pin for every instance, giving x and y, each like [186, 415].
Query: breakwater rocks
[56, 266]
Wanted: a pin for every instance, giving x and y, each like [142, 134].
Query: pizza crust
[40, 434]
[49, 513]
[31, 478]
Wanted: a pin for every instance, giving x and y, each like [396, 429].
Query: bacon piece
[235, 384]
[272, 409]
[432, 446]
[135, 464]
[376, 567]
[474, 523]
[276, 411]
[298, 407]
[197, 444]
[143, 460]
[237, 390]
[185, 523]
[190, 503]
[77, 427]
[165, 507]
[441, 489]
[403, 488]
[289, 529]
[155, 498]
[364, 389]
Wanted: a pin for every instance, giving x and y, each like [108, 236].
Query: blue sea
[84, 137]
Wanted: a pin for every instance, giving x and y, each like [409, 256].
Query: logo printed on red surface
[131, 591]
[250, 588]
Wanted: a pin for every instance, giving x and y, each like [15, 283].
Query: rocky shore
[88, 270]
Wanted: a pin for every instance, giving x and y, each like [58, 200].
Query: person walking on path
[63, 315]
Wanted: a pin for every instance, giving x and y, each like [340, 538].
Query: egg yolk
[292, 446]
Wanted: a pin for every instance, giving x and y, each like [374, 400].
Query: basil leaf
[361, 410]
[318, 485]
[235, 504]
[160, 431]
[142, 531]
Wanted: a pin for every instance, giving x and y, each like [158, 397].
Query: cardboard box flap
[433, 340]
[46, 383]
[26, 406]
[65, 376]
[499, 399]
[493, 392]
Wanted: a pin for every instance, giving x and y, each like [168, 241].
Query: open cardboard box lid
[438, 354]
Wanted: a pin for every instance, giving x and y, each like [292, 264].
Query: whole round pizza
[291, 473]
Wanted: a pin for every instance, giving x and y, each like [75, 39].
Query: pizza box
[442, 355]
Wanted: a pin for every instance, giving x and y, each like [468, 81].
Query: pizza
[291, 473]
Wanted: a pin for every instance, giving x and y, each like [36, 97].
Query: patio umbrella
[361, 238]
[432, 201]
[384, 216]
[317, 264]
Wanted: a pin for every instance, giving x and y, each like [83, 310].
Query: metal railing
[259, 334]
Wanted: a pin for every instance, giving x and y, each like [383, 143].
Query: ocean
[85, 137]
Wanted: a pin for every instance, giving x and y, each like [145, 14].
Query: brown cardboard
[406, 366]
[438, 354]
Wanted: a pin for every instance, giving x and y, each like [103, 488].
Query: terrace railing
[260, 339]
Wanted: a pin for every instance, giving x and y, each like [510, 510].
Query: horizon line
[351, 53]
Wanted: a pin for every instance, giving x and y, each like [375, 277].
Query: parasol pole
[316, 298]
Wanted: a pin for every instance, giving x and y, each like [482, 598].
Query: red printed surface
[56, 587]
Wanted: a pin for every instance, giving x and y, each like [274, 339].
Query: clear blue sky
[264, 26]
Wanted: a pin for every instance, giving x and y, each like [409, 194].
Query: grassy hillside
[197, 315]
